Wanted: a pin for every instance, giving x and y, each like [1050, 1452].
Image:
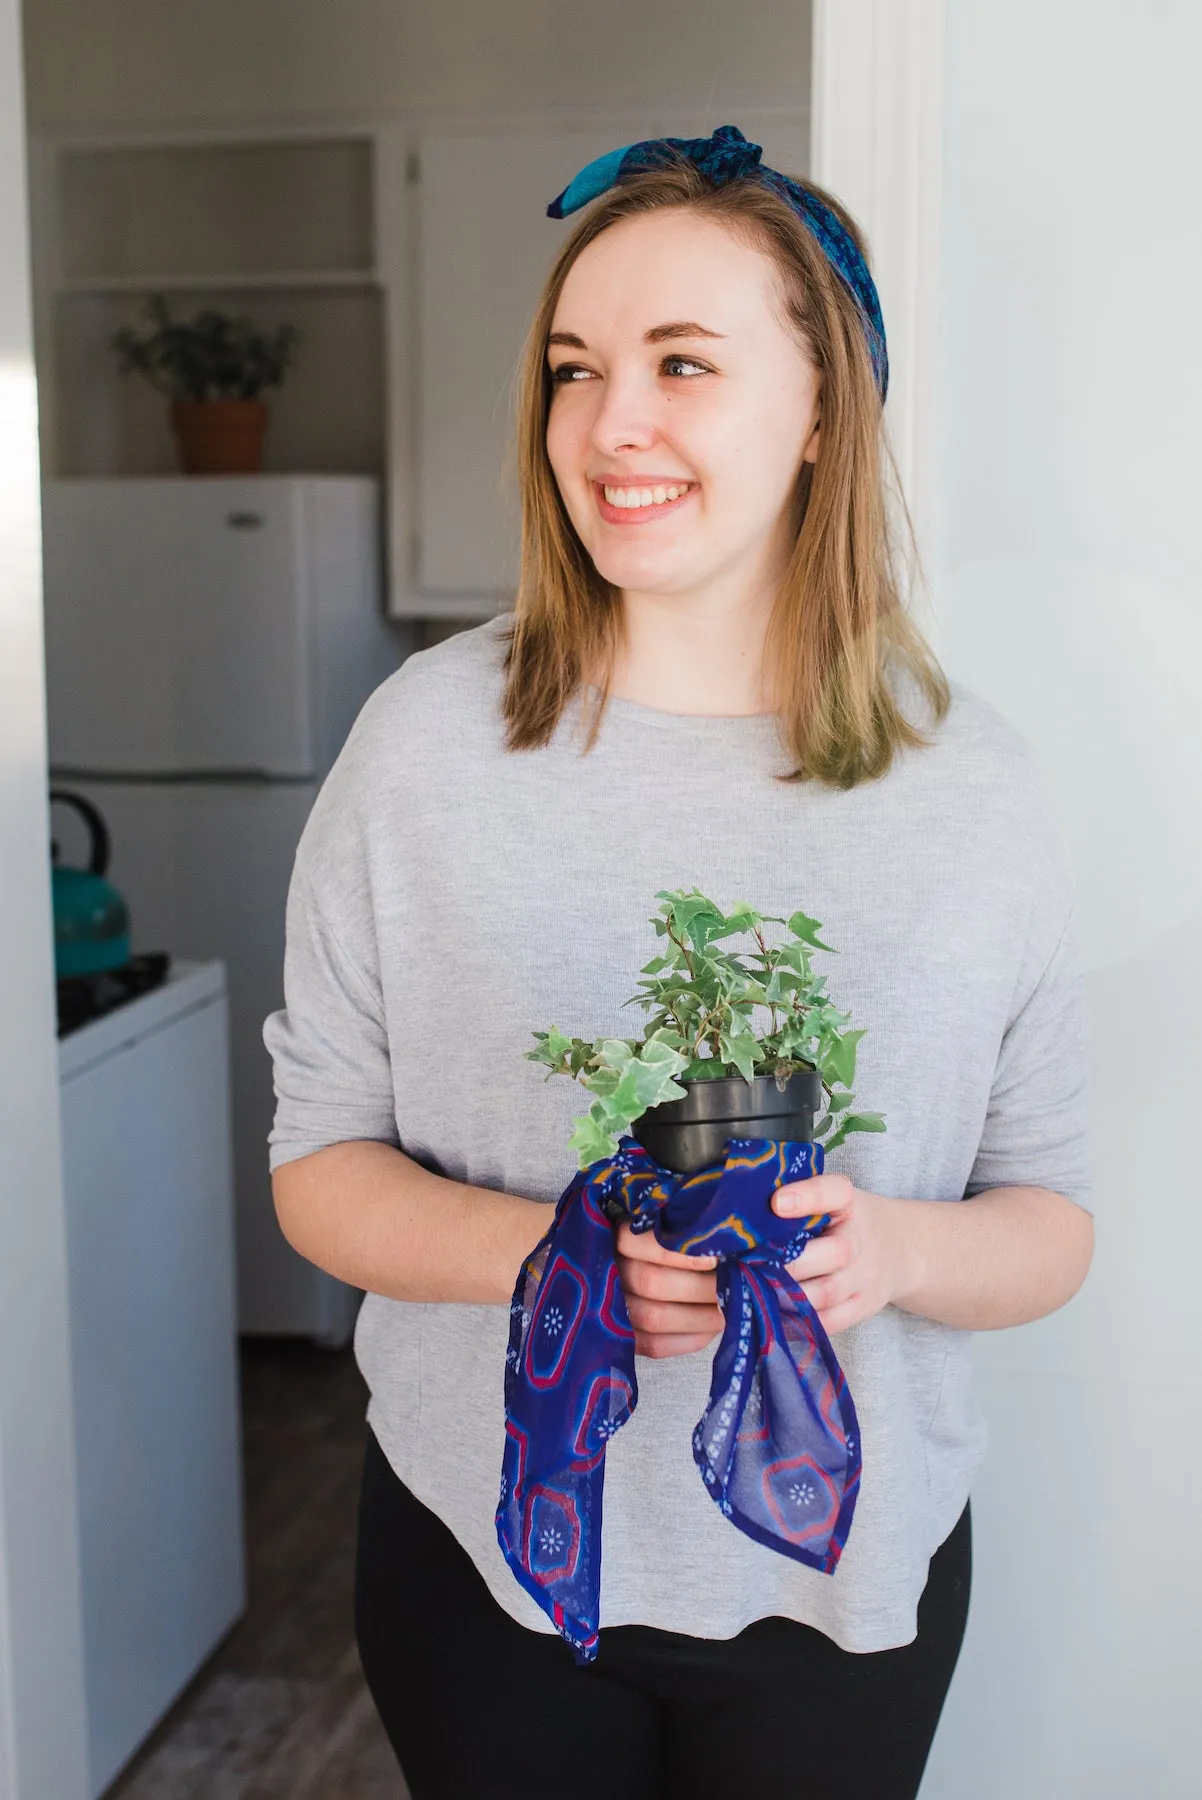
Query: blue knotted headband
[777, 1446]
[727, 156]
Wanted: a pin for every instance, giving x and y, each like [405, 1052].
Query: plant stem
[680, 945]
[759, 938]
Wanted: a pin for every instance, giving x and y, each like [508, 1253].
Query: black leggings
[478, 1707]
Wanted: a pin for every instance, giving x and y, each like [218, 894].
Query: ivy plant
[714, 1011]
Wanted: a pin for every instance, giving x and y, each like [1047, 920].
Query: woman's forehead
[665, 266]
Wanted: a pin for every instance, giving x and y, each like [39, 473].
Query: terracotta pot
[220, 437]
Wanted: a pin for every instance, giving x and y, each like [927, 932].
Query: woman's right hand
[672, 1300]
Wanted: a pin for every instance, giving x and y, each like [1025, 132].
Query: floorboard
[280, 1711]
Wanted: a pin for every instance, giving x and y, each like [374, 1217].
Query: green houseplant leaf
[712, 1012]
[213, 356]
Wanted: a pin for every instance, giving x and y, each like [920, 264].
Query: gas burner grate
[85, 997]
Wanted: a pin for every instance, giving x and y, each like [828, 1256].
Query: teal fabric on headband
[728, 156]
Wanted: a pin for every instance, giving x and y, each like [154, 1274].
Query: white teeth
[635, 497]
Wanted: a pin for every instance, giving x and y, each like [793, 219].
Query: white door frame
[876, 142]
[42, 1729]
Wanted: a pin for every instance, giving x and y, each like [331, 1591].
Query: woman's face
[681, 407]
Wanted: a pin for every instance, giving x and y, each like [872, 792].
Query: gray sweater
[450, 897]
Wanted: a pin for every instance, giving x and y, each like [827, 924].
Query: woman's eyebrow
[658, 334]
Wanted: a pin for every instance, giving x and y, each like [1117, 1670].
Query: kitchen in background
[211, 632]
[209, 641]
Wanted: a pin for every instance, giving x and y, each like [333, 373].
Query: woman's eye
[676, 366]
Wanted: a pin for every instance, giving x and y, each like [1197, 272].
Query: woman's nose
[627, 415]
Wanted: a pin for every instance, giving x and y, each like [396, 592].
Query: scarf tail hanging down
[777, 1445]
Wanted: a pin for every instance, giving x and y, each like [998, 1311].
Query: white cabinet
[149, 1212]
[408, 253]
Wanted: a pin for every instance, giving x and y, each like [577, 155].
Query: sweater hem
[891, 1633]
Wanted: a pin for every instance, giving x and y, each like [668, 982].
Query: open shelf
[328, 413]
[277, 231]
[211, 210]
[172, 283]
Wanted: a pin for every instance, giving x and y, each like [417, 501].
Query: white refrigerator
[209, 642]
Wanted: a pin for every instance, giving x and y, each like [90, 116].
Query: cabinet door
[484, 244]
[146, 1166]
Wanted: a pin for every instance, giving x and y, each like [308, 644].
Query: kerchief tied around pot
[778, 1445]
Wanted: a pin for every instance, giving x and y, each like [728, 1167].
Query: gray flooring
[280, 1711]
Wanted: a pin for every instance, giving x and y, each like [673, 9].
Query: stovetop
[84, 997]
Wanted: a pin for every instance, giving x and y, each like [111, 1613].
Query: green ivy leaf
[741, 918]
[739, 1050]
[591, 1141]
[703, 1068]
[807, 929]
[839, 1063]
[856, 1122]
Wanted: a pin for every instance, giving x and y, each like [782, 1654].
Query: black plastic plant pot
[685, 1135]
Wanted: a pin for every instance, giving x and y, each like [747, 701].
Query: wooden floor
[280, 1711]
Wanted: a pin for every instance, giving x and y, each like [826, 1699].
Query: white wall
[1069, 587]
[41, 1669]
[180, 62]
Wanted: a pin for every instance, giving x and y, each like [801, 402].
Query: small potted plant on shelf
[214, 367]
[736, 1044]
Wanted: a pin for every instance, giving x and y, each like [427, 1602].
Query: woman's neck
[685, 655]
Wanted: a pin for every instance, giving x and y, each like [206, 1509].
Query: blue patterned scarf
[778, 1446]
[727, 156]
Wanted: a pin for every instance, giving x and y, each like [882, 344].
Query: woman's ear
[810, 453]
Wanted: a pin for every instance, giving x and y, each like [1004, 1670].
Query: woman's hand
[672, 1300]
[862, 1260]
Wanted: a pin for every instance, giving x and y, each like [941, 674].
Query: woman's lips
[637, 515]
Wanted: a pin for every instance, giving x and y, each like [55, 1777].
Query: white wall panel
[1069, 591]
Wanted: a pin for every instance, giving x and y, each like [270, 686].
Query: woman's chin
[646, 574]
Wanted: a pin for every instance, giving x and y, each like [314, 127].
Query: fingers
[644, 1246]
[677, 1344]
[825, 1255]
[831, 1291]
[660, 1283]
[664, 1318]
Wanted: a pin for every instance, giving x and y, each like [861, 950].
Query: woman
[708, 679]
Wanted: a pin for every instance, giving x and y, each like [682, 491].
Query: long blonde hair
[838, 623]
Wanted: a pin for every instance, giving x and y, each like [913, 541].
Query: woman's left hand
[861, 1261]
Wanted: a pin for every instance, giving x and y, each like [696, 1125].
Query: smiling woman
[709, 679]
[711, 450]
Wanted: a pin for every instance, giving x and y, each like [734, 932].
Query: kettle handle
[100, 845]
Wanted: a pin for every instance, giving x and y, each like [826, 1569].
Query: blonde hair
[838, 623]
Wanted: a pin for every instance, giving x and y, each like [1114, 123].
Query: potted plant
[214, 367]
[736, 1044]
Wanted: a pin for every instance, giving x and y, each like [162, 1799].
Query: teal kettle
[91, 920]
